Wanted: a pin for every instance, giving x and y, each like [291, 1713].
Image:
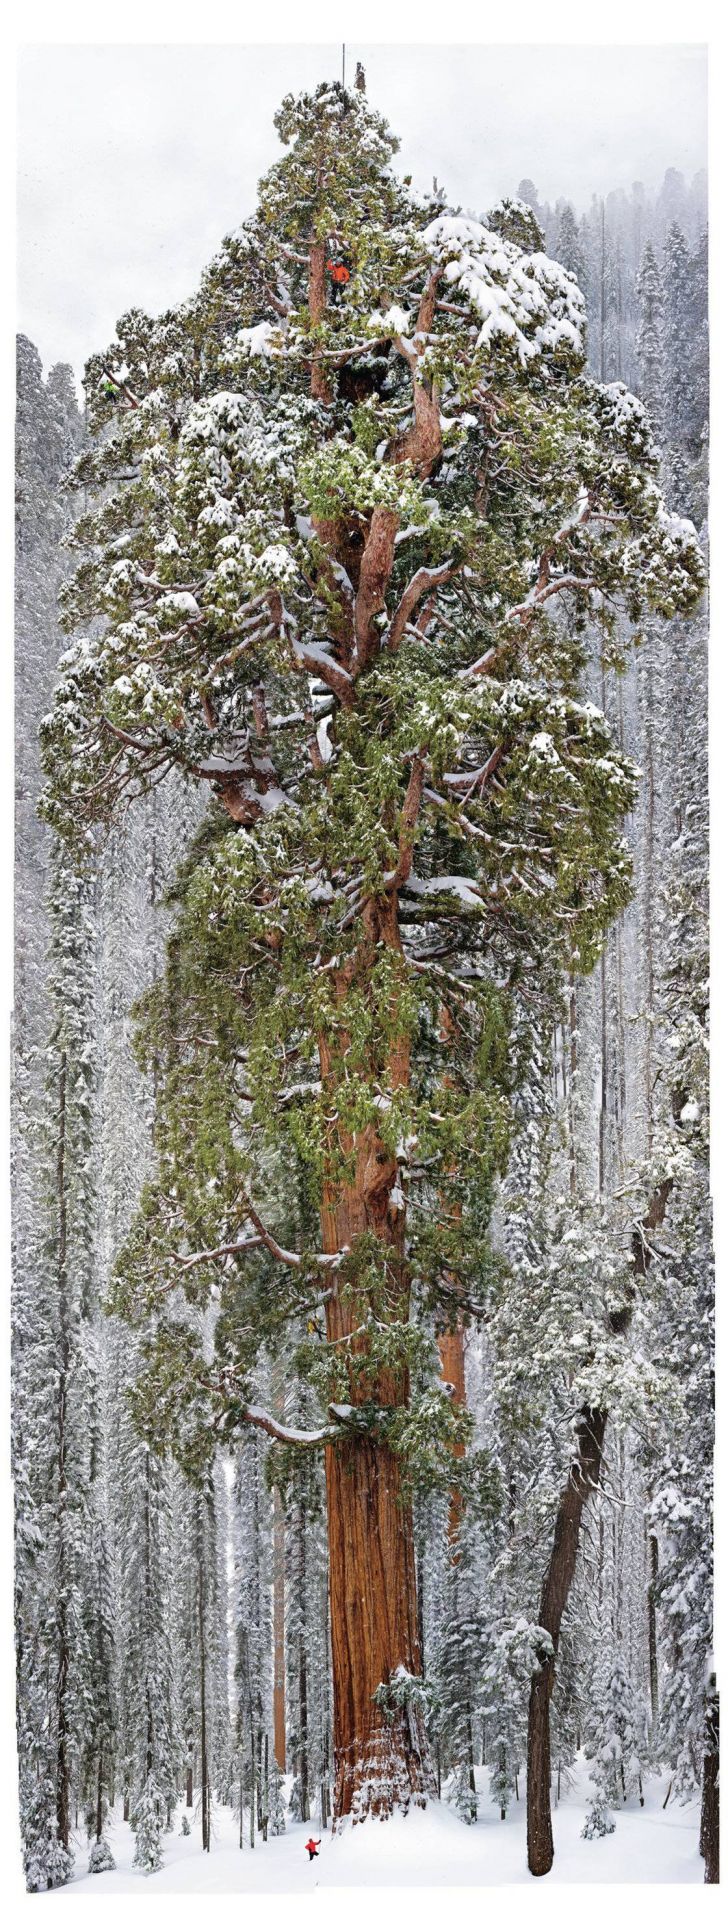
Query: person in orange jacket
[339, 275]
[312, 1847]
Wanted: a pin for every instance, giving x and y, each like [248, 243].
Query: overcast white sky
[133, 161]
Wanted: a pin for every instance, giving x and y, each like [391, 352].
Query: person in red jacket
[312, 1847]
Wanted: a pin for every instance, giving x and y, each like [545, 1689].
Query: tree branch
[423, 580]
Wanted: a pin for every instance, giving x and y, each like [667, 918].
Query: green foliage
[344, 627]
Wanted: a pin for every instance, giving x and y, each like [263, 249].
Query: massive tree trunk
[583, 1480]
[381, 1753]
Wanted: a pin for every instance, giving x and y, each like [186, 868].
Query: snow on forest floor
[431, 1849]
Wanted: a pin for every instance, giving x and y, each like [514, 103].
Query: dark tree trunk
[710, 1814]
[303, 1675]
[652, 1625]
[190, 1795]
[63, 1797]
[265, 1796]
[279, 1620]
[583, 1480]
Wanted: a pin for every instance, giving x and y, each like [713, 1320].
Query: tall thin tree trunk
[279, 1623]
[654, 1558]
[265, 1790]
[649, 847]
[204, 1769]
[573, 1068]
[710, 1813]
[582, 1482]
[303, 1671]
[63, 1803]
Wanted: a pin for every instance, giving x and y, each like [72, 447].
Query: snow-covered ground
[432, 1849]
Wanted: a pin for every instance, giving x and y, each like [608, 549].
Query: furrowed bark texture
[451, 1347]
[381, 1760]
[381, 1755]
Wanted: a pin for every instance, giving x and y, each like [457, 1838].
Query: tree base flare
[388, 1773]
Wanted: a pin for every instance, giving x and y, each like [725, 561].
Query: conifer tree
[677, 279]
[326, 541]
[649, 348]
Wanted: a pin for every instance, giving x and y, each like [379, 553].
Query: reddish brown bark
[374, 574]
[320, 383]
[381, 1761]
[451, 1346]
[381, 1755]
[421, 443]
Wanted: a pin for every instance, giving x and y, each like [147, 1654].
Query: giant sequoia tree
[347, 538]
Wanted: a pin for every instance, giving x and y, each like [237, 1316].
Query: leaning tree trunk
[583, 1480]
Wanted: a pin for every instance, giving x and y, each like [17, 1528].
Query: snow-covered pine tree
[148, 1818]
[47, 436]
[345, 526]
[615, 1738]
[60, 1621]
[678, 297]
[649, 344]
[568, 246]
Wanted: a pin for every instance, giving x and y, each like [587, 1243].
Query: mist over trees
[370, 1258]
